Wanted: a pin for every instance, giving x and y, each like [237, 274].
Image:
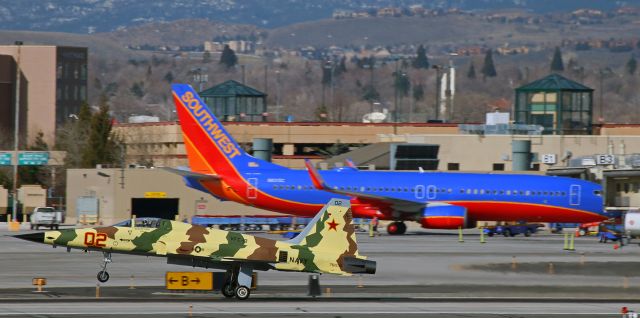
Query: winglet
[316, 179]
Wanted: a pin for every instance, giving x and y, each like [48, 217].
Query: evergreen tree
[402, 83]
[471, 73]
[102, 145]
[169, 77]
[421, 60]
[556, 63]
[137, 89]
[228, 57]
[342, 67]
[370, 93]
[321, 113]
[327, 72]
[418, 92]
[632, 65]
[206, 57]
[488, 69]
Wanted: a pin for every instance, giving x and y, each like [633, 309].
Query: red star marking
[333, 225]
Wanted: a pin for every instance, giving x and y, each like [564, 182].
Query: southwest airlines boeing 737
[436, 200]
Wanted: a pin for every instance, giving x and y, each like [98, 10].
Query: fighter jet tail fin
[331, 229]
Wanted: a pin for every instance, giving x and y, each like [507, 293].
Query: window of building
[498, 167]
[453, 166]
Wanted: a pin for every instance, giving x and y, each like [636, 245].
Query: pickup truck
[47, 217]
[512, 230]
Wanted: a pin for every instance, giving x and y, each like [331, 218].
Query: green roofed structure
[560, 105]
[234, 101]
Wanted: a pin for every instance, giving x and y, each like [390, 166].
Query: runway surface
[298, 309]
[425, 273]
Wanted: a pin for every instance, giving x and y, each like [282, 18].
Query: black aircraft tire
[242, 292]
[228, 290]
[103, 276]
[402, 228]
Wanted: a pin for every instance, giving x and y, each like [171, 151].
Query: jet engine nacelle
[632, 223]
[444, 217]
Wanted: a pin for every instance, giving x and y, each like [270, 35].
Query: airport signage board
[33, 158]
[605, 160]
[5, 159]
[155, 195]
[189, 280]
[549, 158]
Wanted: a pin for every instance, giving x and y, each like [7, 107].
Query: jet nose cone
[33, 237]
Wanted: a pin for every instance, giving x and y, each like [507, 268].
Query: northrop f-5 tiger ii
[326, 245]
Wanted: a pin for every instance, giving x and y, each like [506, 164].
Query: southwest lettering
[211, 127]
[217, 133]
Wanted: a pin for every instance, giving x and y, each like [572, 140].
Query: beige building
[53, 86]
[111, 195]
[294, 142]
[493, 152]
[31, 197]
[4, 200]
[108, 196]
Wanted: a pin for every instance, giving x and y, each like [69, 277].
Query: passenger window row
[514, 192]
[437, 190]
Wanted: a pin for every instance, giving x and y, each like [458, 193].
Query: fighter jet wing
[396, 204]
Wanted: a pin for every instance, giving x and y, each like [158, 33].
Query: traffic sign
[32, 158]
[5, 159]
[189, 280]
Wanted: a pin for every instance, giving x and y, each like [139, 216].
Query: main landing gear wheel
[228, 290]
[396, 228]
[242, 292]
[103, 276]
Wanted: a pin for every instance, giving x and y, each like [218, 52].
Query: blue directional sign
[5, 159]
[33, 158]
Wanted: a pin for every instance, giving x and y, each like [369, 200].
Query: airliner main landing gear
[103, 276]
[396, 228]
[238, 282]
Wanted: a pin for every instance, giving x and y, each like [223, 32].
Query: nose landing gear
[103, 275]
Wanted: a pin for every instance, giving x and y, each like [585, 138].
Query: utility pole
[16, 136]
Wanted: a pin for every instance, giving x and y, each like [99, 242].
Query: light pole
[16, 136]
[277, 95]
[438, 69]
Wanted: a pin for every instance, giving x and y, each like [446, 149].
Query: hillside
[88, 16]
[441, 31]
[101, 46]
[191, 32]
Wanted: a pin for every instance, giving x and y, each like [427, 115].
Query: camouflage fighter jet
[326, 245]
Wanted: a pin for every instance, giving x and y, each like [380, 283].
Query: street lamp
[438, 69]
[16, 136]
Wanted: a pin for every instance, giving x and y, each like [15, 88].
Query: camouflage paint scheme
[322, 247]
